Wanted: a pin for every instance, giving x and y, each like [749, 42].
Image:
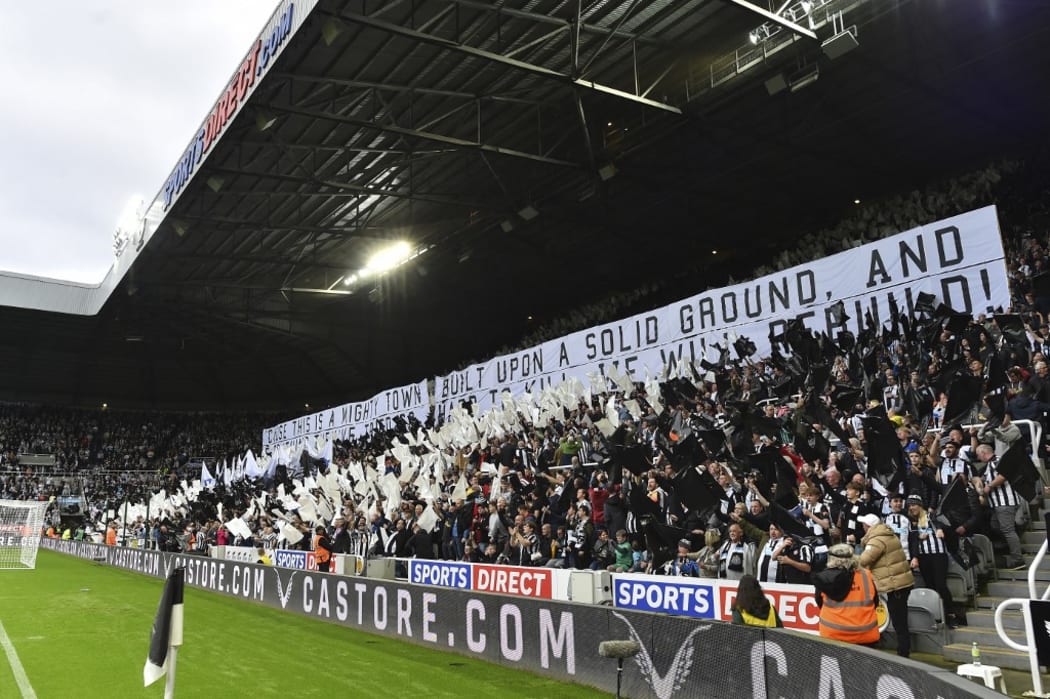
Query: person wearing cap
[846, 595]
[952, 467]
[884, 556]
[965, 441]
[682, 563]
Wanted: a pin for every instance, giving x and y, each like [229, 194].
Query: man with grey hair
[1004, 501]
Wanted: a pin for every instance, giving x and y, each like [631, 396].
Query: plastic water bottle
[975, 654]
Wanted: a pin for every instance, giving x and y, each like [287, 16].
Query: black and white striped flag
[167, 629]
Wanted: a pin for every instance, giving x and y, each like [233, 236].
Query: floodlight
[264, 120]
[528, 213]
[388, 258]
[330, 30]
[753, 37]
[131, 214]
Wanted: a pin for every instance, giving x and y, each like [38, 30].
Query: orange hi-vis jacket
[852, 619]
[321, 554]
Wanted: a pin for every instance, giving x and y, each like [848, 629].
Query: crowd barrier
[679, 657]
[699, 598]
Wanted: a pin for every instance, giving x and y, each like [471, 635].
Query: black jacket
[833, 582]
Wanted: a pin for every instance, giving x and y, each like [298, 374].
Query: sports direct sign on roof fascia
[285, 21]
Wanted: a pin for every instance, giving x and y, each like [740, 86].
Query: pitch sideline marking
[16, 665]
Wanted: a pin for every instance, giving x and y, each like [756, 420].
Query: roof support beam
[391, 87]
[775, 18]
[424, 135]
[541, 18]
[541, 71]
[348, 187]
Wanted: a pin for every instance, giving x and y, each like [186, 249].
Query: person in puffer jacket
[884, 556]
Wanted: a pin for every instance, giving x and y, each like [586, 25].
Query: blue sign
[290, 559]
[439, 573]
[669, 596]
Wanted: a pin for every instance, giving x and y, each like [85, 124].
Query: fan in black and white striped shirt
[1004, 502]
[929, 553]
[951, 465]
[898, 521]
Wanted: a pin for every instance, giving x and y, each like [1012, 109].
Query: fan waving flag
[166, 635]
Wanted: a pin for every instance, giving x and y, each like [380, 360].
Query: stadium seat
[986, 555]
[961, 583]
[926, 614]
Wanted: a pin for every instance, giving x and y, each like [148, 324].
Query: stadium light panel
[131, 214]
[388, 258]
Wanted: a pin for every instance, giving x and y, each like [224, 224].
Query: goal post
[20, 525]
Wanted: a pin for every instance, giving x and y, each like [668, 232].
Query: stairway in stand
[1011, 583]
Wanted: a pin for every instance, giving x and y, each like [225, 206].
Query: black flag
[1017, 467]
[695, 491]
[1041, 627]
[167, 628]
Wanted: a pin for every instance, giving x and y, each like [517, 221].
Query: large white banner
[959, 260]
[352, 419]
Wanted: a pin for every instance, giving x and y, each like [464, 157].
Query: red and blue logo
[254, 66]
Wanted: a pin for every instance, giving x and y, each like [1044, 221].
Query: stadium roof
[537, 154]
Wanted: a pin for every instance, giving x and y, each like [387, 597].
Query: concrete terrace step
[985, 637]
[1001, 657]
[985, 619]
[1033, 537]
[1008, 588]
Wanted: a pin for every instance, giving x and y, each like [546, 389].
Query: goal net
[20, 525]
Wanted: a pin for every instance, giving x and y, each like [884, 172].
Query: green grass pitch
[82, 630]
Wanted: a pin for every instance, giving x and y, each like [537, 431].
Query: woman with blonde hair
[846, 595]
[929, 555]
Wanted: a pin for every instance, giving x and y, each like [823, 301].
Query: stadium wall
[680, 657]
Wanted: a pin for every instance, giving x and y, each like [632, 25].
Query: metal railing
[1023, 603]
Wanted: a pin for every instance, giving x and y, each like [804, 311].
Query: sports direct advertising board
[517, 581]
[703, 598]
[678, 657]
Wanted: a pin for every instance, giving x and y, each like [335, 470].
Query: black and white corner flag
[167, 628]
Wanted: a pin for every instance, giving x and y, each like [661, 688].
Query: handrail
[1029, 647]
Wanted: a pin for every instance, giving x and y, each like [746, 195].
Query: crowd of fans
[791, 465]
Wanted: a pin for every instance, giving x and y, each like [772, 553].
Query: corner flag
[166, 635]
